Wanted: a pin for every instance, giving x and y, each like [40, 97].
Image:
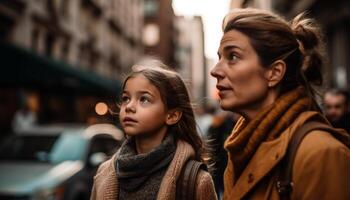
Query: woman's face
[241, 79]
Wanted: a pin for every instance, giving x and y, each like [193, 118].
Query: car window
[69, 147]
[27, 147]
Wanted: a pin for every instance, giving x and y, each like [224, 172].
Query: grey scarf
[140, 175]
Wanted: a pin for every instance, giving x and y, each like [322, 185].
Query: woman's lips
[222, 90]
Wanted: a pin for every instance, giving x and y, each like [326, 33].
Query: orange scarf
[267, 125]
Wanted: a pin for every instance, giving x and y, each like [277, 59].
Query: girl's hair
[297, 43]
[174, 94]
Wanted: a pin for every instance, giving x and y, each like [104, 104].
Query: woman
[266, 72]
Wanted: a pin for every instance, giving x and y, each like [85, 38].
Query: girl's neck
[147, 142]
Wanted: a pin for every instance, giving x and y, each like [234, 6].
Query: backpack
[186, 184]
[284, 180]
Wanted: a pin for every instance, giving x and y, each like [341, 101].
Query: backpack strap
[186, 184]
[284, 180]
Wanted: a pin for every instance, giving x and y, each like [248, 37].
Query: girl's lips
[129, 119]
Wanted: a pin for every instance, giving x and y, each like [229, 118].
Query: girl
[265, 73]
[158, 119]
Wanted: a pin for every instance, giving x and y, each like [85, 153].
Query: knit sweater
[106, 183]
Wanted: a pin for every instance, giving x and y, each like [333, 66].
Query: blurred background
[63, 61]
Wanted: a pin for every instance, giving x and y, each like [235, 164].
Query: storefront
[58, 92]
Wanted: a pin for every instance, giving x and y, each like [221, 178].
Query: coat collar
[266, 158]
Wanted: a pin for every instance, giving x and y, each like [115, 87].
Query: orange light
[101, 108]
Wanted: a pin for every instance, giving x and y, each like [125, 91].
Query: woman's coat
[321, 168]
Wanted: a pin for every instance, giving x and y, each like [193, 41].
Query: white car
[55, 162]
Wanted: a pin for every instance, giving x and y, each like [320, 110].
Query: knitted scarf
[140, 175]
[246, 137]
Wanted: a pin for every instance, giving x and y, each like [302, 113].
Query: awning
[24, 68]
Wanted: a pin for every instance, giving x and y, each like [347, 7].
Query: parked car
[55, 162]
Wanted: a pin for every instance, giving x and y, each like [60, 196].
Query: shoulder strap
[186, 184]
[284, 180]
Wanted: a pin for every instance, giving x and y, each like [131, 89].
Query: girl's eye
[144, 99]
[125, 99]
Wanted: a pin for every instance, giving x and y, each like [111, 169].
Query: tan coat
[106, 185]
[321, 168]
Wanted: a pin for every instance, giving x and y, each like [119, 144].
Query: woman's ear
[173, 117]
[276, 72]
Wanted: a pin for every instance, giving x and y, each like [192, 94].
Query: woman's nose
[216, 71]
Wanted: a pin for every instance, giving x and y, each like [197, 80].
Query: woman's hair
[174, 94]
[297, 43]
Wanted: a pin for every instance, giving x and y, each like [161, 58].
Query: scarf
[266, 126]
[140, 175]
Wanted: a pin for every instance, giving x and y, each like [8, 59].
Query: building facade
[159, 32]
[66, 56]
[102, 36]
[190, 55]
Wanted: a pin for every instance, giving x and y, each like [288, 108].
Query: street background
[63, 61]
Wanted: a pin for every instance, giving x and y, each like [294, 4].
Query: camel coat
[106, 184]
[321, 168]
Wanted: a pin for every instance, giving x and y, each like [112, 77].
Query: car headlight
[50, 194]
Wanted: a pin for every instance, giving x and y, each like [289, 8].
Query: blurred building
[334, 18]
[158, 31]
[190, 55]
[69, 55]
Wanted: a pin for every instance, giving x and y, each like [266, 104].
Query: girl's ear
[275, 73]
[173, 117]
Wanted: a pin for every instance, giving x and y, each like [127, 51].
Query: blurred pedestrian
[219, 129]
[266, 72]
[336, 108]
[204, 114]
[24, 118]
[157, 117]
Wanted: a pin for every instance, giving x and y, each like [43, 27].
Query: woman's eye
[125, 99]
[232, 57]
[144, 100]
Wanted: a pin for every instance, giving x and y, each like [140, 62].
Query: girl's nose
[130, 107]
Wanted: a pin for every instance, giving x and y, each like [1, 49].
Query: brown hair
[297, 43]
[174, 94]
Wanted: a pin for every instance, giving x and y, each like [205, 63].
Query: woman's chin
[225, 106]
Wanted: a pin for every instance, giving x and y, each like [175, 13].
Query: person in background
[156, 115]
[24, 118]
[266, 72]
[220, 128]
[336, 104]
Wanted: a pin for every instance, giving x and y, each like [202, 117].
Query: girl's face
[240, 77]
[142, 109]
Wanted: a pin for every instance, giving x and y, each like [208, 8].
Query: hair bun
[309, 37]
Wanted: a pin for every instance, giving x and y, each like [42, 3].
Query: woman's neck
[253, 110]
[146, 142]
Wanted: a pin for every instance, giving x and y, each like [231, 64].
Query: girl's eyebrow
[140, 92]
[146, 92]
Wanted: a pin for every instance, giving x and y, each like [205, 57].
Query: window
[151, 8]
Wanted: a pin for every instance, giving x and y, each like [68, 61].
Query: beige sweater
[106, 185]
